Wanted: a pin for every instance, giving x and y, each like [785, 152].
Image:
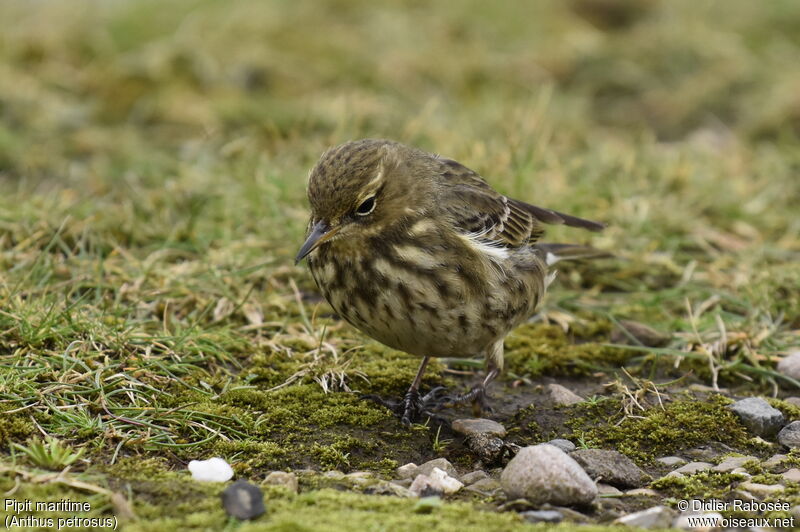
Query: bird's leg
[412, 406]
[477, 395]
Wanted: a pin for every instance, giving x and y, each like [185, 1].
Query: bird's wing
[477, 208]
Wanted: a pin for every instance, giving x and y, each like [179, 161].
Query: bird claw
[412, 407]
[477, 396]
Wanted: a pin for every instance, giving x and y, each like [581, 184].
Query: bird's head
[358, 189]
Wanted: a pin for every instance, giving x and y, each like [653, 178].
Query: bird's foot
[477, 396]
[412, 408]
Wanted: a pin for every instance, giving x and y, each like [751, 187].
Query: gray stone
[281, 478]
[409, 470]
[442, 463]
[562, 396]
[792, 475]
[474, 476]
[607, 489]
[671, 461]
[790, 435]
[761, 490]
[642, 492]
[545, 474]
[774, 461]
[438, 482]
[758, 416]
[542, 516]
[487, 486]
[611, 467]
[243, 500]
[473, 426]
[390, 488]
[655, 517]
[565, 445]
[692, 467]
[732, 462]
[334, 474]
[790, 365]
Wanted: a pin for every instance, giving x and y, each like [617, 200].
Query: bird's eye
[366, 207]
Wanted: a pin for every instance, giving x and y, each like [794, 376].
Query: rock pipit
[420, 253]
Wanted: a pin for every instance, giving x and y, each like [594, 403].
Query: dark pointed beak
[319, 234]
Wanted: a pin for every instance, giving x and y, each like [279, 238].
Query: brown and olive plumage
[420, 253]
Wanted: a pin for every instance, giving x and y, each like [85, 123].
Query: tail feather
[553, 253]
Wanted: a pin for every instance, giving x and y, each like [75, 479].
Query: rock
[360, 478]
[243, 500]
[436, 483]
[794, 401]
[409, 470]
[692, 467]
[790, 435]
[389, 488]
[671, 461]
[655, 517]
[690, 521]
[562, 396]
[475, 476]
[440, 463]
[761, 490]
[758, 416]
[545, 474]
[774, 461]
[732, 462]
[565, 445]
[611, 467]
[632, 333]
[703, 453]
[542, 516]
[487, 486]
[607, 489]
[211, 470]
[642, 492]
[489, 449]
[279, 478]
[474, 426]
[790, 365]
[792, 475]
[334, 474]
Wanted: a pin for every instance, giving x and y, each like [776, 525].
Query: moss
[537, 349]
[702, 485]
[15, 427]
[789, 410]
[682, 424]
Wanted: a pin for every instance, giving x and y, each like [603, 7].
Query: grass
[152, 170]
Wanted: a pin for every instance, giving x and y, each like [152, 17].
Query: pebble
[487, 448]
[474, 426]
[542, 516]
[334, 474]
[758, 416]
[545, 474]
[612, 467]
[732, 462]
[281, 478]
[790, 365]
[436, 483]
[683, 521]
[409, 470]
[790, 435]
[487, 486]
[243, 500]
[565, 445]
[211, 470]
[437, 463]
[794, 401]
[642, 492]
[774, 461]
[607, 489]
[641, 333]
[655, 517]
[562, 396]
[792, 475]
[474, 476]
[761, 490]
[671, 461]
[691, 468]
[389, 488]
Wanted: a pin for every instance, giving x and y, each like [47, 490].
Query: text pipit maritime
[420, 253]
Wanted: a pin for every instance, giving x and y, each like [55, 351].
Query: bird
[420, 253]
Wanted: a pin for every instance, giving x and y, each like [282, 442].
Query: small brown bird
[420, 253]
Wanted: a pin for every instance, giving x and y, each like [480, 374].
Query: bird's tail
[553, 253]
